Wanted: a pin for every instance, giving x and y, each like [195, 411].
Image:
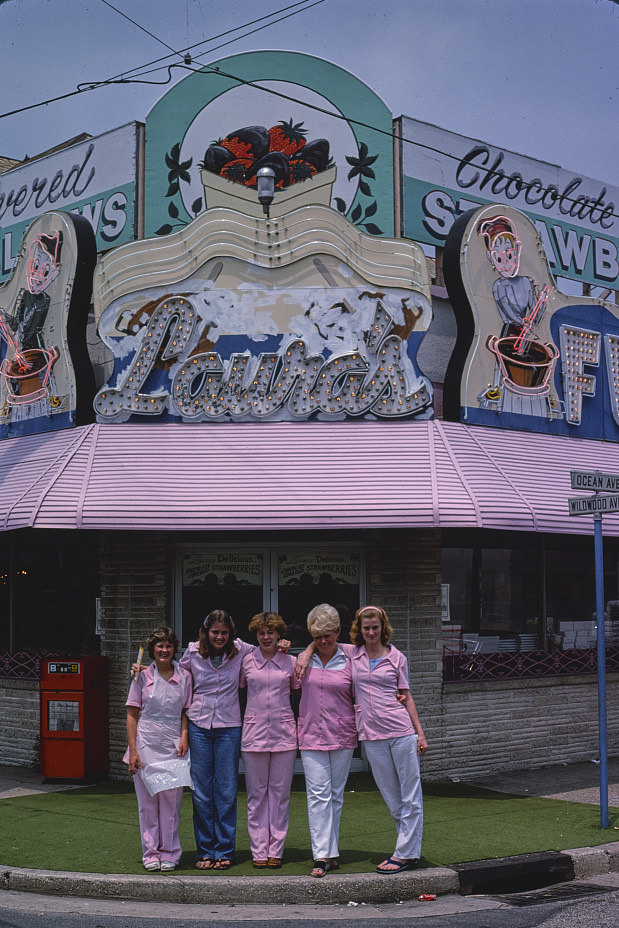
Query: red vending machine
[74, 717]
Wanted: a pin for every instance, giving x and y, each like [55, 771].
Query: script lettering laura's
[207, 387]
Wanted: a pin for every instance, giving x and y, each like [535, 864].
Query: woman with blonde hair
[389, 726]
[327, 735]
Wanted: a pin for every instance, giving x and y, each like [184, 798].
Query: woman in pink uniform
[327, 735]
[389, 726]
[269, 740]
[214, 662]
[157, 736]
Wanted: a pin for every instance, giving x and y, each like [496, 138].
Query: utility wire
[208, 70]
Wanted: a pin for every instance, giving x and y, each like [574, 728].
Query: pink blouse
[379, 714]
[215, 702]
[269, 723]
[326, 713]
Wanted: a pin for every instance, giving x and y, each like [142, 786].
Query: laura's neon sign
[207, 387]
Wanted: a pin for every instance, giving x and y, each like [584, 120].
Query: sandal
[398, 865]
[260, 864]
[321, 867]
[222, 863]
[205, 863]
[274, 863]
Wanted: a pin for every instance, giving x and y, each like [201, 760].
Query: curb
[525, 872]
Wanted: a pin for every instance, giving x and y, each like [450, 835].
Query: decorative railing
[23, 665]
[460, 667]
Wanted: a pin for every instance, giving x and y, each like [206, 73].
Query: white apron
[158, 737]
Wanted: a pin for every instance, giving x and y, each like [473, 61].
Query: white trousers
[395, 768]
[326, 773]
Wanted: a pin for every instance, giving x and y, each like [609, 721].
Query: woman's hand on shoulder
[135, 670]
[303, 660]
[283, 645]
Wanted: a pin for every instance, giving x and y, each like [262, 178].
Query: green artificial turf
[94, 829]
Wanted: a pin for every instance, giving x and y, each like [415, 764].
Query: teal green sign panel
[302, 113]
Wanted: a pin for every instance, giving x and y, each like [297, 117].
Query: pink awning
[263, 476]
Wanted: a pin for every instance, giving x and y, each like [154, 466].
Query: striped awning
[319, 475]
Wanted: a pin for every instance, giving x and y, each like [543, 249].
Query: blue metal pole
[601, 651]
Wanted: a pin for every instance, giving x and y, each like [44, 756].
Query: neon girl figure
[522, 379]
[514, 295]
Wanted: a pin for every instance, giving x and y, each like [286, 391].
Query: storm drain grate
[557, 893]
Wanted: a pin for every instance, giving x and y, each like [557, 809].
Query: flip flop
[205, 863]
[399, 865]
[222, 864]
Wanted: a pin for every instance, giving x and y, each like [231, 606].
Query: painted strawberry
[276, 160]
[287, 137]
[301, 170]
[236, 170]
[249, 142]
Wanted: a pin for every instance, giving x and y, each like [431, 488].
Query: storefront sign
[238, 318]
[445, 174]
[527, 356]
[45, 374]
[95, 179]
[319, 568]
[215, 568]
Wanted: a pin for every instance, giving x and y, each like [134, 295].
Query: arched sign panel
[527, 356]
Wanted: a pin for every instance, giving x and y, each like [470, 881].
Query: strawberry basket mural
[283, 147]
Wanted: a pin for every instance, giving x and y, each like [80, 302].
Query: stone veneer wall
[20, 731]
[136, 591]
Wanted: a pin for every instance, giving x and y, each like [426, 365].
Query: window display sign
[445, 175]
[95, 179]
[45, 374]
[217, 567]
[318, 568]
[527, 356]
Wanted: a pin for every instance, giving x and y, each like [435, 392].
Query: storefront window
[232, 580]
[537, 592]
[245, 581]
[49, 584]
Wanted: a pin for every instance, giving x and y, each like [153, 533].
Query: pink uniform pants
[159, 823]
[268, 777]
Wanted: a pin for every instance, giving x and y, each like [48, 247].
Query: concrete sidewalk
[575, 783]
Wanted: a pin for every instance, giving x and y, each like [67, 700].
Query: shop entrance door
[244, 581]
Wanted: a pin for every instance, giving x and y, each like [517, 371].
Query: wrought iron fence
[23, 665]
[506, 665]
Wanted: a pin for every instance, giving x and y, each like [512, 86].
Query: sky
[538, 77]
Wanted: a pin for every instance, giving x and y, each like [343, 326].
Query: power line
[208, 70]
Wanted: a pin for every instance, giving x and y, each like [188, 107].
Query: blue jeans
[214, 770]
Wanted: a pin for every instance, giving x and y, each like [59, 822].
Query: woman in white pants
[389, 726]
[327, 735]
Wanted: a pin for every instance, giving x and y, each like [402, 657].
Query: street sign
[594, 480]
[586, 505]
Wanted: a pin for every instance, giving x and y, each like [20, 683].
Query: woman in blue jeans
[214, 662]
